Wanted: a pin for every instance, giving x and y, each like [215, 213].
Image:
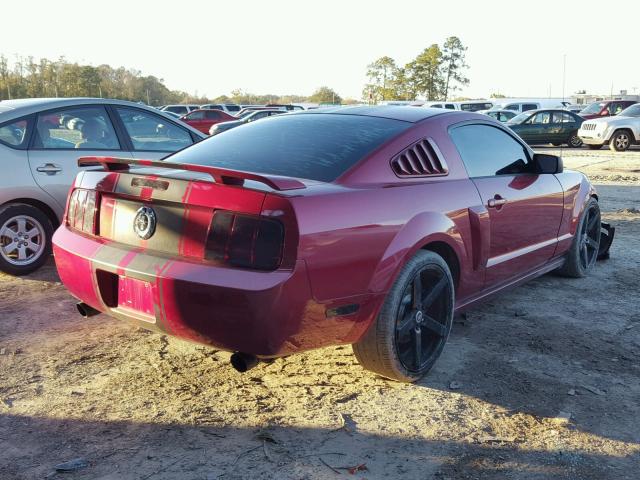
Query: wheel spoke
[592, 222]
[592, 243]
[7, 232]
[583, 256]
[417, 291]
[434, 326]
[417, 346]
[10, 248]
[22, 253]
[22, 224]
[34, 247]
[434, 293]
[33, 232]
[407, 325]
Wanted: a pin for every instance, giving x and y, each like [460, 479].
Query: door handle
[496, 202]
[49, 168]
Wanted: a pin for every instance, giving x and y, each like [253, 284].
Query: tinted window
[151, 132]
[562, 117]
[450, 106]
[87, 128]
[541, 118]
[474, 107]
[14, 133]
[513, 106]
[212, 114]
[179, 109]
[488, 151]
[529, 106]
[233, 108]
[196, 115]
[313, 146]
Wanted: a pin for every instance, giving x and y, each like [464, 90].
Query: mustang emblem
[144, 223]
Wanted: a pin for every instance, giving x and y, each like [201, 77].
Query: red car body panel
[345, 243]
[204, 124]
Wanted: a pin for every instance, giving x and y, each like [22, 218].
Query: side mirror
[544, 163]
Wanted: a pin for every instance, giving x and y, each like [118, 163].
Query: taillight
[81, 212]
[245, 240]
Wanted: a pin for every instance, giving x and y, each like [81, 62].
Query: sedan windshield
[632, 111]
[593, 108]
[313, 146]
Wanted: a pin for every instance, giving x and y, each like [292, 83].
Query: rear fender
[424, 228]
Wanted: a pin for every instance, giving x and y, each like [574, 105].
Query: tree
[381, 75]
[424, 74]
[325, 95]
[497, 95]
[453, 61]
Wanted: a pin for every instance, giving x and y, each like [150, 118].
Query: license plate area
[135, 298]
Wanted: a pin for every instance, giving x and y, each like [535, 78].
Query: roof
[394, 112]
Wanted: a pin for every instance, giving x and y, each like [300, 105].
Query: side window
[450, 106]
[153, 133]
[541, 118]
[14, 134]
[212, 115]
[488, 151]
[84, 128]
[529, 106]
[513, 106]
[196, 115]
[562, 117]
[437, 105]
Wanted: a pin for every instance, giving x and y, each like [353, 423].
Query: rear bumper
[267, 314]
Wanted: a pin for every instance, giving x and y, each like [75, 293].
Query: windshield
[520, 118]
[632, 111]
[593, 108]
[314, 146]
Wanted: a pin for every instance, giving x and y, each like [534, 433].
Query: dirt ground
[542, 382]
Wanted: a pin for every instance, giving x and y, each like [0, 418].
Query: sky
[293, 47]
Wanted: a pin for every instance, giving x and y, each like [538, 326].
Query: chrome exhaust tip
[85, 310]
[243, 362]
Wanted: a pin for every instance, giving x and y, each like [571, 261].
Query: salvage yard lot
[540, 382]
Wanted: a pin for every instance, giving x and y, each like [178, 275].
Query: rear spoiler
[220, 175]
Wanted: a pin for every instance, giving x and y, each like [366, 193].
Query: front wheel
[620, 141]
[413, 325]
[583, 253]
[25, 238]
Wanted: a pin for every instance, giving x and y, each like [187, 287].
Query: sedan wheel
[413, 325]
[620, 141]
[25, 237]
[575, 141]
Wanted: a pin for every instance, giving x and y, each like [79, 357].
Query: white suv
[619, 131]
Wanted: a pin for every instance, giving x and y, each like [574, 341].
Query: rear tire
[574, 140]
[621, 141]
[583, 253]
[413, 325]
[25, 238]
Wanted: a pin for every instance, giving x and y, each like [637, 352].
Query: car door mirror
[544, 163]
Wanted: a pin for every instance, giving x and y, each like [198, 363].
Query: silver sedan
[40, 143]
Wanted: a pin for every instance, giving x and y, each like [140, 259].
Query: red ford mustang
[203, 120]
[368, 226]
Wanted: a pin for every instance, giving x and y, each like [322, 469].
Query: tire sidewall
[575, 247]
[18, 209]
[612, 143]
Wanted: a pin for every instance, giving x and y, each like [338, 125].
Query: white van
[467, 106]
[523, 104]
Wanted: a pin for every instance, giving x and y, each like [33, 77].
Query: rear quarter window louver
[422, 159]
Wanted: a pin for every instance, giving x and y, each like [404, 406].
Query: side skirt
[546, 268]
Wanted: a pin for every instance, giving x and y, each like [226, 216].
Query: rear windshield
[312, 146]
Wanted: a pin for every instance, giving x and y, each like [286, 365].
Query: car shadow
[120, 449]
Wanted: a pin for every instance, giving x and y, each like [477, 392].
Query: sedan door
[64, 135]
[525, 209]
[151, 136]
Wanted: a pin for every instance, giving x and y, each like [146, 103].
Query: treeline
[29, 78]
[435, 74]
